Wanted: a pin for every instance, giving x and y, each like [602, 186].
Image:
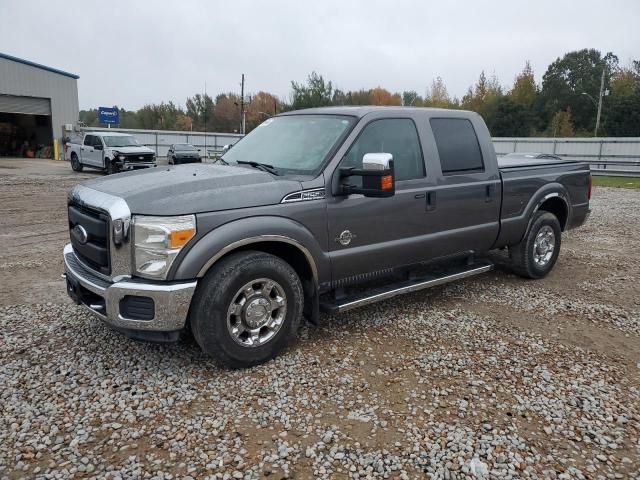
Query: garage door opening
[23, 135]
[25, 127]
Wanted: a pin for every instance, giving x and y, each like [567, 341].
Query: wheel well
[558, 207]
[289, 253]
[299, 262]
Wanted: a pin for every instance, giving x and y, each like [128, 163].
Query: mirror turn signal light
[386, 182]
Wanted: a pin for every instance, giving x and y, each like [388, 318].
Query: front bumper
[124, 165]
[111, 301]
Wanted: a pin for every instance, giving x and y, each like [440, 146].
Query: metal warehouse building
[36, 102]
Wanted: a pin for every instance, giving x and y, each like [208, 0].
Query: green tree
[316, 92]
[562, 124]
[524, 89]
[410, 98]
[567, 78]
[438, 96]
[200, 108]
[510, 119]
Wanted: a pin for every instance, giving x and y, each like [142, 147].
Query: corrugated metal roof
[37, 65]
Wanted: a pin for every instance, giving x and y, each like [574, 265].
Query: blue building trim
[37, 65]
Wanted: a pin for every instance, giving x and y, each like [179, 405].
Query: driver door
[91, 156]
[369, 235]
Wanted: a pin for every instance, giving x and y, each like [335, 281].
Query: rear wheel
[76, 166]
[247, 308]
[536, 254]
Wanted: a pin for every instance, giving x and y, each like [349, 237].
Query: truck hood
[125, 150]
[194, 188]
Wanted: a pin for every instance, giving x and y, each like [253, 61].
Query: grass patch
[620, 182]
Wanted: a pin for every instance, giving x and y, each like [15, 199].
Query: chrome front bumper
[103, 298]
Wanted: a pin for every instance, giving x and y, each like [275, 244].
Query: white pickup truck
[111, 152]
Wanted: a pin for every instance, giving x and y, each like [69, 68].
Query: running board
[390, 291]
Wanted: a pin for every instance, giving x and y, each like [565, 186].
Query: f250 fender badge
[345, 238]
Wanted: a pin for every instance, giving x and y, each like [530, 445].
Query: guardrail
[605, 155]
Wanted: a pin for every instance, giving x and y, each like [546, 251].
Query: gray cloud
[132, 53]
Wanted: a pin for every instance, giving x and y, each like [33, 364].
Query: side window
[458, 146]
[88, 140]
[397, 136]
[97, 141]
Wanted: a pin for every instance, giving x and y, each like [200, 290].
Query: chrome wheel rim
[543, 246]
[257, 312]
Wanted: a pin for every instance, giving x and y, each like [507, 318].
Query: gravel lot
[495, 377]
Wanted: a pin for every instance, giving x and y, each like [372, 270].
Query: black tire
[209, 316]
[76, 166]
[111, 167]
[523, 255]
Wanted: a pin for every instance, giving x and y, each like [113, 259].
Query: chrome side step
[390, 291]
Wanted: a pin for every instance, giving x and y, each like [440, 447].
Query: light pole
[598, 105]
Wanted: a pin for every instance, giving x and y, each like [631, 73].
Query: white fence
[160, 140]
[606, 155]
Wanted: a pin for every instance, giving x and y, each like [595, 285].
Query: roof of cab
[361, 111]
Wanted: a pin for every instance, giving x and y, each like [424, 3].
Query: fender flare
[551, 190]
[242, 232]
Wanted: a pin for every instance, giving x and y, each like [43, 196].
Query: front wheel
[247, 308]
[536, 254]
[76, 166]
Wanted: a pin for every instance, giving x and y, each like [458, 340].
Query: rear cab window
[457, 145]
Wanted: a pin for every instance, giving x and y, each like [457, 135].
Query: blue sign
[108, 115]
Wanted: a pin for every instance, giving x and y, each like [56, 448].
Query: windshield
[295, 143]
[120, 141]
[183, 146]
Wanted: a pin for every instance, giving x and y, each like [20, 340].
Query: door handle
[431, 201]
[489, 193]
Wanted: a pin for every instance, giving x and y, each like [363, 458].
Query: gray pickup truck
[315, 210]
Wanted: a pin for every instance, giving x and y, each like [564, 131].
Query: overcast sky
[129, 53]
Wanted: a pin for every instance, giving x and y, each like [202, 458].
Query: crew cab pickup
[111, 152]
[315, 210]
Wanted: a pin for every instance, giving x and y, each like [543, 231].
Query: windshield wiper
[265, 167]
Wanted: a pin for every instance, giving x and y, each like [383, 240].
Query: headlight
[158, 240]
[121, 157]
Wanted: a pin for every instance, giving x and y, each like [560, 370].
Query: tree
[227, 113]
[316, 93]
[200, 108]
[438, 96]
[410, 98]
[567, 78]
[561, 124]
[624, 82]
[510, 119]
[262, 106]
[524, 89]
[381, 96]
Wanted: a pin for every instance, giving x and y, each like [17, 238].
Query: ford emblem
[81, 234]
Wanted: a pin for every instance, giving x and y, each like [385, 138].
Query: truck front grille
[89, 233]
[139, 157]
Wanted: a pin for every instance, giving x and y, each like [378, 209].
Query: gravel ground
[495, 377]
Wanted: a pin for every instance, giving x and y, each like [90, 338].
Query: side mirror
[378, 179]
[98, 147]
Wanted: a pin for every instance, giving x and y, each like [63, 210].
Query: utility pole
[600, 102]
[204, 101]
[242, 122]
